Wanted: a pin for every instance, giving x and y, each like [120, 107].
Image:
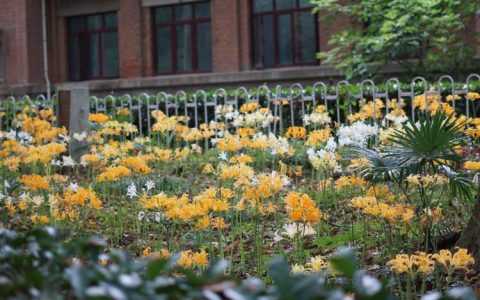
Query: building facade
[155, 45]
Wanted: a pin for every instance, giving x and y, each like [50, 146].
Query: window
[284, 33]
[93, 46]
[183, 38]
[2, 58]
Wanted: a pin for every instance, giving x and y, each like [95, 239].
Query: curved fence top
[287, 104]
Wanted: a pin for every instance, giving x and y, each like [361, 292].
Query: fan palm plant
[429, 142]
[423, 148]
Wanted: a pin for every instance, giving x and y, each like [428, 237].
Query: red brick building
[153, 45]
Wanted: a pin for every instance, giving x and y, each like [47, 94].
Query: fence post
[73, 111]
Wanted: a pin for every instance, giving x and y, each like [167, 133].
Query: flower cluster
[301, 208]
[422, 263]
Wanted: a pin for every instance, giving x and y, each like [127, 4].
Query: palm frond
[432, 140]
[383, 168]
[461, 187]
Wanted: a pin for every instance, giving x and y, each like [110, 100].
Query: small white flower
[293, 229]
[311, 153]
[37, 200]
[223, 156]
[57, 163]
[83, 162]
[158, 217]
[277, 238]
[24, 137]
[11, 135]
[140, 215]
[150, 185]
[80, 136]
[68, 161]
[132, 191]
[64, 138]
[255, 181]
[6, 184]
[74, 186]
[356, 134]
[331, 145]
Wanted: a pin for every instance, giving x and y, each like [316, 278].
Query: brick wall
[231, 39]
[13, 24]
[34, 41]
[147, 42]
[20, 22]
[244, 35]
[327, 28]
[130, 38]
[225, 35]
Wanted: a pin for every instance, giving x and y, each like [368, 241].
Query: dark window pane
[94, 22]
[305, 3]
[262, 5]
[93, 50]
[110, 54]
[74, 58]
[163, 14]
[164, 50]
[264, 53]
[268, 41]
[305, 37]
[202, 10]
[284, 39]
[93, 56]
[183, 12]
[285, 4]
[257, 42]
[204, 47]
[111, 20]
[184, 48]
[76, 24]
[183, 38]
[84, 46]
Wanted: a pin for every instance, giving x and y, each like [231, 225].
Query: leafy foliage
[420, 35]
[37, 265]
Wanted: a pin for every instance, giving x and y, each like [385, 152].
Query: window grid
[173, 24]
[276, 13]
[84, 53]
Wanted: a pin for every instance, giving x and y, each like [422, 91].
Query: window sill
[210, 81]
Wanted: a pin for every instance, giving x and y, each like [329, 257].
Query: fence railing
[11, 106]
[288, 104]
